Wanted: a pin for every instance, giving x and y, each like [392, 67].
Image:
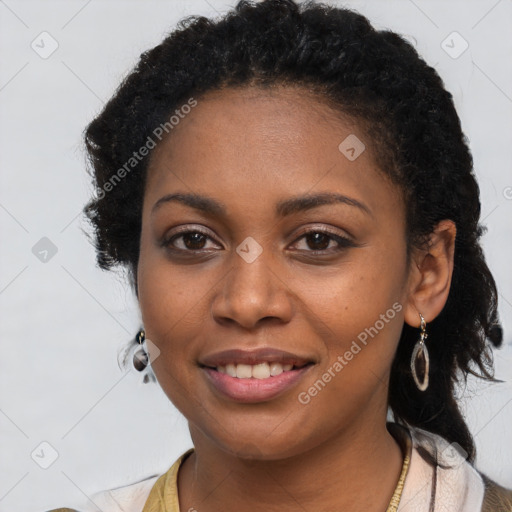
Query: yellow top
[164, 493]
[461, 488]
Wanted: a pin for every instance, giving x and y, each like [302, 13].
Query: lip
[254, 390]
[252, 357]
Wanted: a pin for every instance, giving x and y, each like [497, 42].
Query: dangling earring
[140, 356]
[420, 362]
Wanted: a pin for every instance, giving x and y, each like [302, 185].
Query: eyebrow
[284, 208]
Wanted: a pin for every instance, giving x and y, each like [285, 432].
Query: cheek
[170, 315]
[361, 304]
[168, 294]
[358, 292]
[165, 304]
[363, 313]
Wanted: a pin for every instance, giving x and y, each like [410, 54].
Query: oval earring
[140, 356]
[420, 361]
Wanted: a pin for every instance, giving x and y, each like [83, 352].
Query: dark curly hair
[377, 78]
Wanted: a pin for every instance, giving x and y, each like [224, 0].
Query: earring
[140, 356]
[420, 362]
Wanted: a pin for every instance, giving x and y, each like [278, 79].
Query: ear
[430, 275]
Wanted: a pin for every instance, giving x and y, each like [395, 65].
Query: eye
[190, 241]
[324, 241]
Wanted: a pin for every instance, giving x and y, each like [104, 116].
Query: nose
[253, 293]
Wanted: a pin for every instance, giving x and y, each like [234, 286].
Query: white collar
[440, 479]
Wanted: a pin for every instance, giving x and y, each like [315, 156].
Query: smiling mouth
[258, 382]
[262, 370]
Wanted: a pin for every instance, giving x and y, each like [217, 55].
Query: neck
[335, 475]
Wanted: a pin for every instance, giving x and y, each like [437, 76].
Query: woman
[293, 197]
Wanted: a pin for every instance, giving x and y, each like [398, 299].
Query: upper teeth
[256, 371]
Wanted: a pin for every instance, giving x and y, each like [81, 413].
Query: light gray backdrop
[63, 320]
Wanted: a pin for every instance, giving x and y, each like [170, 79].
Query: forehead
[248, 142]
[274, 114]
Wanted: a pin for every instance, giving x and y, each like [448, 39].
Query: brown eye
[194, 241]
[318, 241]
[187, 241]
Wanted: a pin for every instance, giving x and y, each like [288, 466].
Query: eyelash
[343, 242]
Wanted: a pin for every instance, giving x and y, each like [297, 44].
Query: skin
[249, 149]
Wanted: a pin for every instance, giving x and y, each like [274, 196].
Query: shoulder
[441, 475]
[129, 498]
[449, 456]
[132, 497]
[63, 510]
[496, 497]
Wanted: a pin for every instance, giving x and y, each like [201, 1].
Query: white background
[63, 321]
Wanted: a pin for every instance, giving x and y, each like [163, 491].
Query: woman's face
[245, 262]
